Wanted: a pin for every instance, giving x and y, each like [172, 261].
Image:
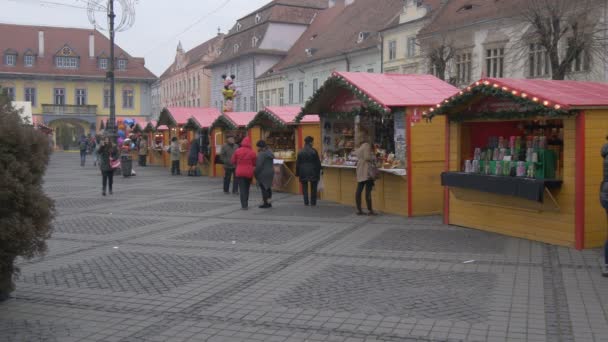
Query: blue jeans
[606, 253]
[228, 175]
[83, 157]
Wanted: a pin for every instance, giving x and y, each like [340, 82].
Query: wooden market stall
[387, 109]
[200, 123]
[285, 136]
[176, 118]
[524, 159]
[229, 124]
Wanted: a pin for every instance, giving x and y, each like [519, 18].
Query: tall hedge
[26, 213]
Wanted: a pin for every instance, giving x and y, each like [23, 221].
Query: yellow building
[62, 73]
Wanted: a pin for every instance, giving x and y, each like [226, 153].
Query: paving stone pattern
[170, 258]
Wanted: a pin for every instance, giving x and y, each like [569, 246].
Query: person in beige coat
[365, 157]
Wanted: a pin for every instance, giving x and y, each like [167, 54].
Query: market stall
[385, 109]
[229, 124]
[524, 159]
[200, 123]
[285, 136]
[176, 118]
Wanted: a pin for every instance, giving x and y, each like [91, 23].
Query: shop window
[495, 59]
[59, 96]
[392, 50]
[81, 97]
[463, 68]
[538, 61]
[30, 95]
[9, 92]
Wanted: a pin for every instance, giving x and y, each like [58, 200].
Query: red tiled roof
[396, 90]
[240, 119]
[195, 54]
[24, 38]
[205, 117]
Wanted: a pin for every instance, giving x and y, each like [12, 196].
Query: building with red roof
[62, 72]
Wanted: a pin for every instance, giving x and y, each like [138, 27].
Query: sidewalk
[170, 258]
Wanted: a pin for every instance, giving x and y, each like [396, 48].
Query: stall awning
[241, 119]
[380, 92]
[282, 116]
[202, 118]
[522, 97]
[175, 116]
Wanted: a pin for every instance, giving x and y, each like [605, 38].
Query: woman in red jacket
[244, 159]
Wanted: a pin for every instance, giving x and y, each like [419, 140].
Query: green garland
[223, 121]
[533, 109]
[257, 120]
[339, 82]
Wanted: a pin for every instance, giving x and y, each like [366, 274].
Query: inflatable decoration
[120, 141]
[229, 92]
[129, 122]
[121, 133]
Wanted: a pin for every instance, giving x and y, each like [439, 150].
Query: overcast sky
[157, 24]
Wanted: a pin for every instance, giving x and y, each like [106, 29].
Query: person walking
[264, 172]
[244, 160]
[195, 148]
[604, 203]
[83, 145]
[308, 169]
[107, 151]
[143, 151]
[226, 157]
[174, 150]
[95, 141]
[364, 181]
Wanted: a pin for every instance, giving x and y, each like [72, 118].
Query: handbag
[201, 158]
[114, 163]
[321, 184]
[372, 170]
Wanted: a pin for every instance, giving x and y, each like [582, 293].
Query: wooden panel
[595, 216]
[348, 186]
[313, 130]
[331, 180]
[395, 194]
[428, 140]
[427, 192]
[546, 226]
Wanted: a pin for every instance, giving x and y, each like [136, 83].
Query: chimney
[348, 2]
[92, 45]
[41, 43]
[331, 3]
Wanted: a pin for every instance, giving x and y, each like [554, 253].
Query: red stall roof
[240, 119]
[398, 90]
[288, 114]
[204, 117]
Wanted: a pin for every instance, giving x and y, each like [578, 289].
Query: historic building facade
[62, 73]
[187, 82]
[257, 42]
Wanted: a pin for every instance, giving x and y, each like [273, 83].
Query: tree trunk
[6, 278]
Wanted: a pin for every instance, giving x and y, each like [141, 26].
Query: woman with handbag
[193, 156]
[107, 162]
[366, 175]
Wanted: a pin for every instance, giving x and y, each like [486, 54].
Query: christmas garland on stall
[534, 107]
[337, 81]
[223, 121]
[257, 120]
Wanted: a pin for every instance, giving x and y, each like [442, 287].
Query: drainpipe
[347, 61]
[255, 86]
[382, 54]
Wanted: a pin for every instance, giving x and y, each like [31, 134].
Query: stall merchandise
[229, 124]
[201, 123]
[523, 159]
[285, 137]
[384, 109]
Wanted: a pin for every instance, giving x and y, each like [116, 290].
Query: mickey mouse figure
[229, 92]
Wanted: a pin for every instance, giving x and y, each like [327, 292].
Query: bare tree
[439, 54]
[571, 32]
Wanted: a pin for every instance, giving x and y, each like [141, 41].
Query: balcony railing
[69, 109]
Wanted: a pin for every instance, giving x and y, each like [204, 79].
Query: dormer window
[362, 36]
[63, 62]
[236, 48]
[122, 64]
[102, 63]
[310, 52]
[258, 18]
[10, 59]
[28, 60]
[466, 7]
[238, 26]
[254, 41]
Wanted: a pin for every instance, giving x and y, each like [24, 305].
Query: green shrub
[26, 212]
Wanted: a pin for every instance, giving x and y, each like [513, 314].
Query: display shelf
[396, 172]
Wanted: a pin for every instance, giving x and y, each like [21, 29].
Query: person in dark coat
[308, 169]
[264, 172]
[244, 160]
[195, 148]
[84, 146]
[228, 150]
[604, 202]
[106, 151]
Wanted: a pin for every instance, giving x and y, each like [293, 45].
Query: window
[198, 102]
[106, 98]
[538, 61]
[463, 68]
[10, 59]
[198, 82]
[258, 18]
[127, 98]
[122, 64]
[103, 63]
[281, 96]
[238, 104]
[254, 41]
[30, 95]
[370, 70]
[301, 92]
[244, 103]
[315, 85]
[59, 98]
[581, 62]
[411, 47]
[267, 98]
[392, 50]
[261, 99]
[238, 26]
[252, 103]
[236, 48]
[28, 60]
[81, 97]
[495, 62]
[290, 95]
[9, 92]
[63, 62]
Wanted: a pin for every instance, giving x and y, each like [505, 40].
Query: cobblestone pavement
[171, 258]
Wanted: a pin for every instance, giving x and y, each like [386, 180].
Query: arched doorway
[67, 132]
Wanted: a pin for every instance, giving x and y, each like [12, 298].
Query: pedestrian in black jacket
[308, 169]
[604, 203]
